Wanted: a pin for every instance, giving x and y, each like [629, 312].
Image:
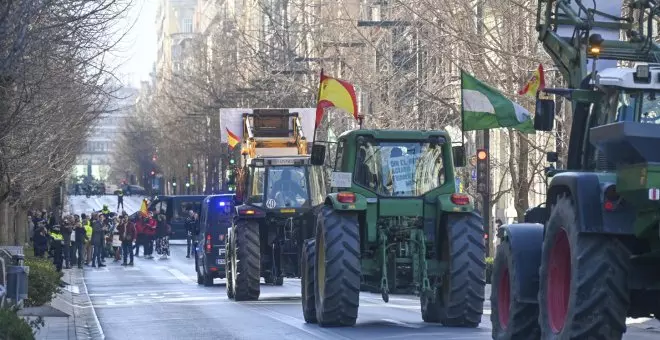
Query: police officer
[56, 240]
[120, 199]
[105, 211]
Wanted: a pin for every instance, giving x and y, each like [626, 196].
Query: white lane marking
[96, 318]
[179, 275]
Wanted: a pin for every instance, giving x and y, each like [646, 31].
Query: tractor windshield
[287, 187]
[634, 105]
[399, 168]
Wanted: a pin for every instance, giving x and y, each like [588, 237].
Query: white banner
[232, 119]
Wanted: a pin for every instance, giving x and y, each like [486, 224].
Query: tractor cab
[287, 185]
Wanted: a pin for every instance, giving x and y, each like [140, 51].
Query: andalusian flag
[335, 93]
[232, 139]
[534, 84]
[485, 108]
[143, 209]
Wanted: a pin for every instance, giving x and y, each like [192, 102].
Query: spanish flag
[534, 84]
[143, 209]
[337, 93]
[232, 139]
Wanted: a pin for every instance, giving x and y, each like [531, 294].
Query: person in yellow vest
[56, 240]
[87, 224]
[105, 211]
[120, 199]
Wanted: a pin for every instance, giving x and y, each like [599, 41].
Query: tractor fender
[360, 203]
[586, 191]
[526, 241]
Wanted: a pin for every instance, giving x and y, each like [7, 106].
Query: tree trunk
[4, 224]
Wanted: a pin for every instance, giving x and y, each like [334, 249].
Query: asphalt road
[160, 299]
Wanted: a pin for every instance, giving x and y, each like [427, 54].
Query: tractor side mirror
[544, 115]
[459, 156]
[551, 157]
[318, 154]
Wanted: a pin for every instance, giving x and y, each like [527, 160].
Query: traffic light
[154, 158]
[153, 172]
[189, 165]
[232, 161]
[173, 181]
[483, 161]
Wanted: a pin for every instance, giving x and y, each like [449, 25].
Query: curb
[86, 322]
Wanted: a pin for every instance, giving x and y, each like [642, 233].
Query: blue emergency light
[222, 204]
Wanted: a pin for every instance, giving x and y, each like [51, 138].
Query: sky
[136, 52]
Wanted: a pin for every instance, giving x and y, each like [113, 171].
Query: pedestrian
[140, 235]
[120, 199]
[40, 242]
[98, 235]
[150, 235]
[190, 226]
[116, 238]
[163, 236]
[87, 225]
[56, 240]
[66, 230]
[127, 236]
[81, 239]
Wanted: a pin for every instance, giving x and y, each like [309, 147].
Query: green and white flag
[486, 108]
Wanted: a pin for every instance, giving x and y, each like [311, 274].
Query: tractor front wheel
[337, 268]
[583, 288]
[247, 259]
[511, 318]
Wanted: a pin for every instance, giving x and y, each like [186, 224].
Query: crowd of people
[91, 239]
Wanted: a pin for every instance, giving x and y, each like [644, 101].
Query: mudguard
[526, 241]
[586, 191]
[359, 204]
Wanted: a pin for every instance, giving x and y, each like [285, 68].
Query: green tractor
[394, 223]
[593, 259]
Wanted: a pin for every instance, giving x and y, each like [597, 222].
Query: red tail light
[346, 197]
[247, 212]
[460, 199]
[208, 243]
[222, 237]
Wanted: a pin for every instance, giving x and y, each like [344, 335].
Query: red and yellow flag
[535, 83]
[232, 139]
[337, 93]
[143, 208]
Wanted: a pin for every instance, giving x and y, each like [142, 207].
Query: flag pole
[462, 115]
[318, 97]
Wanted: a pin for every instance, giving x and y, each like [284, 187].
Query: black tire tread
[339, 307]
[307, 281]
[602, 261]
[523, 317]
[248, 260]
[467, 274]
[228, 269]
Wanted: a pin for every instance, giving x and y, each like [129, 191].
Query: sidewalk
[70, 316]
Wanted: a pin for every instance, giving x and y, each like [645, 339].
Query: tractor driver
[288, 188]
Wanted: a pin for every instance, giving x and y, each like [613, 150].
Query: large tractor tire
[460, 301]
[337, 268]
[228, 266]
[247, 259]
[308, 260]
[511, 319]
[583, 288]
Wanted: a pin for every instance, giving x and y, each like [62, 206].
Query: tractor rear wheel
[247, 257]
[337, 268]
[583, 280]
[460, 301]
[511, 319]
[307, 281]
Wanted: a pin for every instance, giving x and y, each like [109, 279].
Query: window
[256, 190]
[340, 156]
[317, 185]
[399, 168]
[187, 25]
[287, 187]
